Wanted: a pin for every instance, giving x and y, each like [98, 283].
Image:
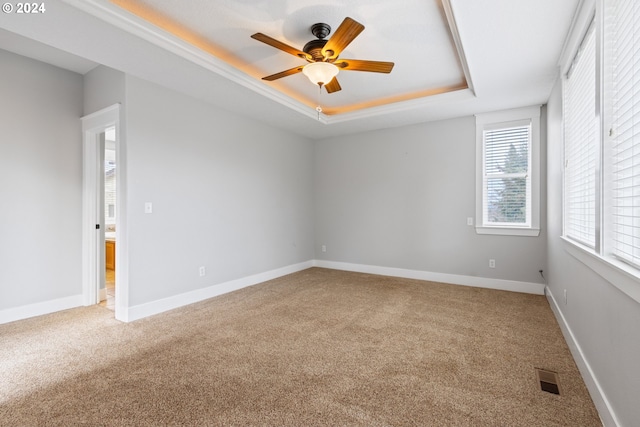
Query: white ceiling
[203, 48]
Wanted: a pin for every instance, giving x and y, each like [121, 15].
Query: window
[601, 102]
[508, 188]
[580, 144]
[623, 33]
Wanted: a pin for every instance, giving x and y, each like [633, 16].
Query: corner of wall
[607, 415]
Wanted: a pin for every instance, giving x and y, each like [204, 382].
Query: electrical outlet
[469, 221]
[324, 248]
[148, 207]
[202, 271]
[492, 263]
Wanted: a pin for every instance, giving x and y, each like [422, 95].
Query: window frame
[600, 258]
[502, 120]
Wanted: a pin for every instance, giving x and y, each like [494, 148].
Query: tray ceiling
[452, 58]
[416, 37]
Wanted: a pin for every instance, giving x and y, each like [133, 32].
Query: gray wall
[228, 193]
[103, 87]
[604, 321]
[40, 182]
[401, 197]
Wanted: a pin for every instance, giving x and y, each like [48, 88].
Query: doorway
[104, 211]
[108, 285]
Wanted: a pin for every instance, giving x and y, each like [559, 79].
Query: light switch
[148, 207]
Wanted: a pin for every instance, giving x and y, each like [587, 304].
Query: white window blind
[507, 175]
[580, 145]
[624, 37]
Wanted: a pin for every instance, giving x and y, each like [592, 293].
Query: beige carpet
[319, 347]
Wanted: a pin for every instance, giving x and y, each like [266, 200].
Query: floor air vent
[548, 381]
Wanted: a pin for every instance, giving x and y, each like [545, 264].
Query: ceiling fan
[322, 55]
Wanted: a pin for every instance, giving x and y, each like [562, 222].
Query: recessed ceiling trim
[137, 26]
[453, 29]
[205, 56]
[399, 107]
[396, 99]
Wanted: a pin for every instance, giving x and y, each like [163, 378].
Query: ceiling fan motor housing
[314, 47]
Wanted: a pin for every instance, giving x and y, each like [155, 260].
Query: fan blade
[346, 32]
[282, 46]
[333, 85]
[359, 65]
[281, 74]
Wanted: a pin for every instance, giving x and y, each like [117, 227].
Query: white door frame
[93, 125]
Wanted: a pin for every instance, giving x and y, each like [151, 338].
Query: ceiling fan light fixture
[320, 73]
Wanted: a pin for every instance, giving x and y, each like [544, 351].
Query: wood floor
[110, 284]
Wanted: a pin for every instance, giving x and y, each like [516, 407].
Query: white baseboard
[170, 303]
[607, 415]
[155, 307]
[40, 308]
[454, 279]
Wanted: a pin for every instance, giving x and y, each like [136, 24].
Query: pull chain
[319, 108]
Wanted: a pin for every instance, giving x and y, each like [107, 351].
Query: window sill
[509, 231]
[622, 276]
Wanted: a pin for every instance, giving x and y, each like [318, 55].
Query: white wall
[604, 321]
[228, 193]
[401, 198]
[40, 184]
